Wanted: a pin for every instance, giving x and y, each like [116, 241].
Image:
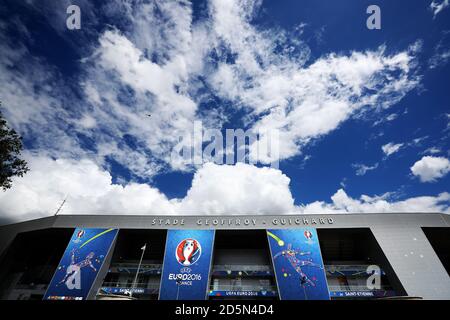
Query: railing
[131, 266]
[139, 285]
[348, 269]
[357, 288]
[135, 263]
[243, 268]
[30, 286]
[225, 287]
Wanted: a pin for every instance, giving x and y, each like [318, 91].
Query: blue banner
[126, 291]
[186, 266]
[298, 264]
[80, 264]
[363, 294]
[246, 294]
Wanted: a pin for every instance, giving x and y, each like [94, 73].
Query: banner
[78, 268]
[126, 291]
[247, 294]
[363, 294]
[186, 266]
[298, 264]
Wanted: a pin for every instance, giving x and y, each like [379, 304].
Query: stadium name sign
[240, 221]
[272, 222]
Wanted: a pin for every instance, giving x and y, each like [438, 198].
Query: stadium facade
[336, 256]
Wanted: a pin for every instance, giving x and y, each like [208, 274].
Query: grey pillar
[414, 261]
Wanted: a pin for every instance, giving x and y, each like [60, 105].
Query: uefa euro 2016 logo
[80, 235]
[308, 235]
[188, 252]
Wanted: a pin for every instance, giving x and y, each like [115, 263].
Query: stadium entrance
[242, 268]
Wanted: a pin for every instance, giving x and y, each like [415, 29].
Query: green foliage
[10, 163]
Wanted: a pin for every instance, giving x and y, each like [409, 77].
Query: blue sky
[364, 115]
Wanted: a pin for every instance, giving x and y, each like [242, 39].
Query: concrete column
[414, 261]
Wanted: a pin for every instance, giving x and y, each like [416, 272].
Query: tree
[10, 147]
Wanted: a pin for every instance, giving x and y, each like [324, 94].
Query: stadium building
[336, 256]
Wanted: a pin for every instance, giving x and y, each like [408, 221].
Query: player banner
[298, 264]
[186, 266]
[78, 268]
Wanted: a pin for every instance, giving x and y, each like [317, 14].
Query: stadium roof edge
[50, 219]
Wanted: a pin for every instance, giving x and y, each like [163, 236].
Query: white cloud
[342, 203]
[418, 141]
[439, 59]
[130, 72]
[432, 150]
[438, 5]
[88, 188]
[362, 169]
[87, 122]
[441, 52]
[388, 118]
[239, 189]
[391, 148]
[31, 101]
[303, 101]
[156, 60]
[119, 54]
[215, 190]
[159, 90]
[429, 168]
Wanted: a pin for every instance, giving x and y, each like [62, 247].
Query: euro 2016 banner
[298, 264]
[186, 266]
[79, 266]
